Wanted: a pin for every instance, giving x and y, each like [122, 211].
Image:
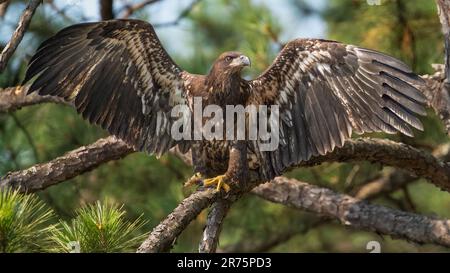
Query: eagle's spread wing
[119, 77]
[326, 90]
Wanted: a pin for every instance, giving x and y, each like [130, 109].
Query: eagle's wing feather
[326, 90]
[119, 77]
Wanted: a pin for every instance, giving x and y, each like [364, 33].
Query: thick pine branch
[393, 180]
[164, 235]
[86, 158]
[356, 213]
[72, 164]
[386, 152]
[390, 153]
[348, 210]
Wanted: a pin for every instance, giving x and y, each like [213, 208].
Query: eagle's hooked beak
[245, 61]
[241, 61]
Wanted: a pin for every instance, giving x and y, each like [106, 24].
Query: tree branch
[131, 9]
[356, 213]
[17, 36]
[386, 152]
[394, 180]
[163, 236]
[14, 98]
[390, 153]
[180, 17]
[81, 160]
[348, 210]
[3, 8]
[74, 163]
[442, 97]
[62, 12]
[106, 9]
[213, 226]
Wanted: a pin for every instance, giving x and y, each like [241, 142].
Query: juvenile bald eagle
[118, 76]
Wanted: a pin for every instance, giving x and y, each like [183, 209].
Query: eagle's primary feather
[119, 76]
[326, 90]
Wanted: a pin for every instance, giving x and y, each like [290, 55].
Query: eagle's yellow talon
[194, 180]
[218, 181]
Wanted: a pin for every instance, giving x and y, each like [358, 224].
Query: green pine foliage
[100, 227]
[25, 223]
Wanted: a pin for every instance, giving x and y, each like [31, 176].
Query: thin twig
[18, 34]
[389, 182]
[3, 8]
[180, 17]
[61, 12]
[129, 10]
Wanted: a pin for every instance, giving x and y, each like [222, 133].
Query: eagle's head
[231, 62]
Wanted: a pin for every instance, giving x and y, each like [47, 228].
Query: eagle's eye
[228, 59]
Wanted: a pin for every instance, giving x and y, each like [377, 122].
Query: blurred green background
[407, 29]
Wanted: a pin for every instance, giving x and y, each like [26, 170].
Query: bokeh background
[406, 29]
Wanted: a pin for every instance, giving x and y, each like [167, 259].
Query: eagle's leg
[237, 168]
[199, 165]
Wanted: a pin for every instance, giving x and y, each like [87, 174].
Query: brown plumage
[120, 77]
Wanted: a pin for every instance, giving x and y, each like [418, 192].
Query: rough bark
[74, 163]
[390, 153]
[348, 210]
[164, 235]
[214, 222]
[420, 163]
[356, 213]
[393, 180]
